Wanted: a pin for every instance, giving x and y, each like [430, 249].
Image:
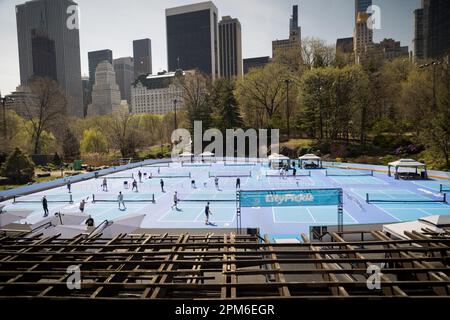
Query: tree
[45, 110]
[226, 110]
[197, 99]
[16, 133]
[316, 53]
[18, 167]
[70, 146]
[57, 160]
[261, 93]
[124, 133]
[93, 141]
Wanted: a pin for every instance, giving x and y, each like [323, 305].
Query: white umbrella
[7, 217]
[207, 154]
[126, 224]
[186, 154]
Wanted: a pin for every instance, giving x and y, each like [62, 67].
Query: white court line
[312, 217]
[388, 213]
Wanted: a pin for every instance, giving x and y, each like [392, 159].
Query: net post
[93, 198]
[209, 174]
[189, 174]
[341, 212]
[445, 197]
[371, 173]
[441, 187]
[326, 173]
[70, 198]
[153, 197]
[132, 175]
[309, 173]
[367, 198]
[250, 173]
[14, 199]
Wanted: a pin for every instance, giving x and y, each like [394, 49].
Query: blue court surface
[195, 185]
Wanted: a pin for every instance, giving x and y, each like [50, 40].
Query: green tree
[70, 146]
[226, 110]
[18, 167]
[93, 141]
[261, 93]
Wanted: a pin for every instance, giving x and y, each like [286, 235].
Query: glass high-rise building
[49, 45]
[142, 55]
[124, 69]
[192, 38]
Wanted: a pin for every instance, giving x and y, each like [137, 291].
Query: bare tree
[45, 110]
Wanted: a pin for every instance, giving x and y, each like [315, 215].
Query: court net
[348, 173]
[190, 164]
[169, 176]
[62, 198]
[230, 174]
[289, 174]
[120, 177]
[141, 197]
[370, 198]
[237, 164]
[157, 165]
[227, 197]
[444, 188]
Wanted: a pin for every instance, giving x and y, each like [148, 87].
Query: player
[45, 206]
[161, 182]
[105, 185]
[175, 201]
[238, 183]
[207, 213]
[216, 182]
[193, 186]
[134, 186]
[120, 200]
[69, 186]
[140, 176]
[82, 205]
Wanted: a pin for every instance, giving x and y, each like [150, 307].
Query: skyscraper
[230, 44]
[124, 69]
[361, 6]
[295, 35]
[432, 29]
[105, 92]
[94, 58]
[362, 37]
[142, 54]
[49, 46]
[192, 38]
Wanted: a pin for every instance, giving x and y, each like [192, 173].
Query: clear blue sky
[113, 24]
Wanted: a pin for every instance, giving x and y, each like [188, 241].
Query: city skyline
[259, 27]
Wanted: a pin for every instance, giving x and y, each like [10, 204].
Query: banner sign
[294, 197]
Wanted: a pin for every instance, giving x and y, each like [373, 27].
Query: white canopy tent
[126, 224]
[408, 164]
[276, 160]
[7, 217]
[310, 161]
[434, 223]
[186, 155]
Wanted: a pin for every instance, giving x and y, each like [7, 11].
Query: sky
[114, 24]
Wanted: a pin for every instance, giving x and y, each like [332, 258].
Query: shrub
[18, 167]
[56, 160]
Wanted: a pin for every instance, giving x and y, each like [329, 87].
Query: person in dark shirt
[161, 182]
[238, 183]
[140, 176]
[90, 221]
[45, 206]
[207, 213]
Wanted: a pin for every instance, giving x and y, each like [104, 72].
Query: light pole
[175, 111]
[3, 100]
[288, 111]
[433, 64]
